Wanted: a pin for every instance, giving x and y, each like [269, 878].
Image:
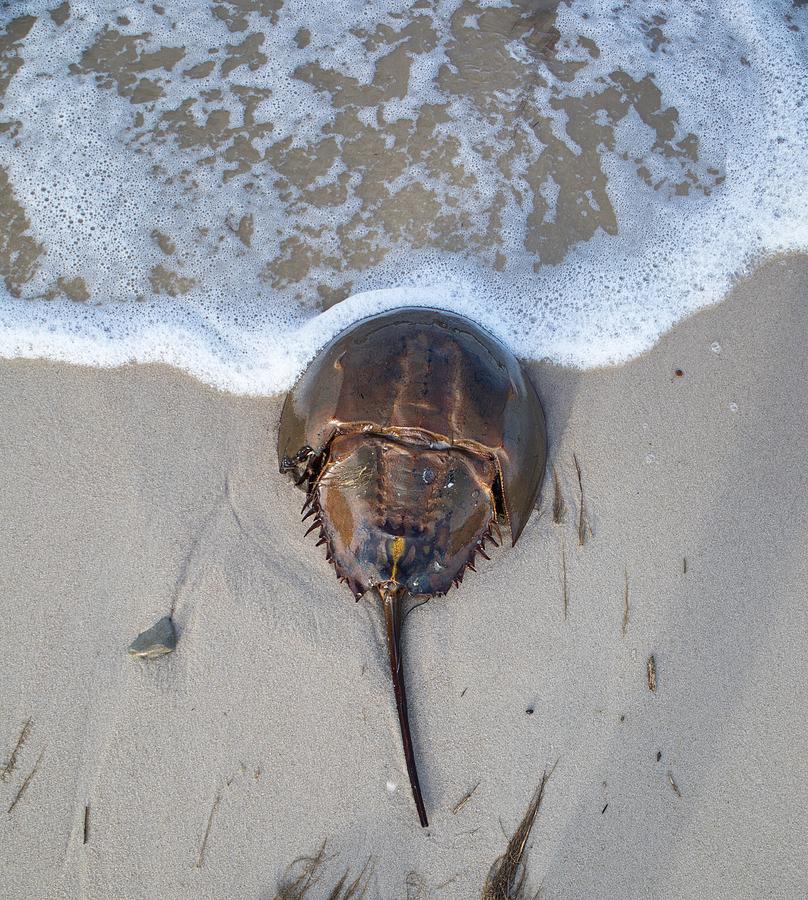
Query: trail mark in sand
[11, 763]
[565, 591]
[24, 786]
[584, 527]
[201, 859]
[559, 506]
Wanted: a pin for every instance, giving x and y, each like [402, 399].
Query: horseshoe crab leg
[393, 598]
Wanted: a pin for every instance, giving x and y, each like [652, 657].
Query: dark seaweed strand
[506, 879]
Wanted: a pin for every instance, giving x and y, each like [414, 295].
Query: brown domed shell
[428, 372]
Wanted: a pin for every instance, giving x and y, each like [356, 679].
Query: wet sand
[272, 727]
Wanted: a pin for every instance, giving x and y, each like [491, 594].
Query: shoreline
[272, 726]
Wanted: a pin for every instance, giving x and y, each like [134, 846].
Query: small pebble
[156, 641]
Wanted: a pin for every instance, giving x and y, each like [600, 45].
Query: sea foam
[614, 169]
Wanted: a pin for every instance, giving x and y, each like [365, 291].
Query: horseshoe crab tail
[393, 598]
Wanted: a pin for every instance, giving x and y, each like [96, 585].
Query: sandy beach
[272, 727]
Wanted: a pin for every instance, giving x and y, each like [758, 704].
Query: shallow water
[222, 187]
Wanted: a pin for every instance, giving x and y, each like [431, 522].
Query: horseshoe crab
[415, 434]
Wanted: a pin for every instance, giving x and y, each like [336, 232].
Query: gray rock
[158, 640]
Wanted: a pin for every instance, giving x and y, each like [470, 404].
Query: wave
[223, 187]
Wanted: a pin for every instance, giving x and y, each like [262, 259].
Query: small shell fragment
[156, 641]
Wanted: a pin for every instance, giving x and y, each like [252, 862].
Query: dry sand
[273, 727]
